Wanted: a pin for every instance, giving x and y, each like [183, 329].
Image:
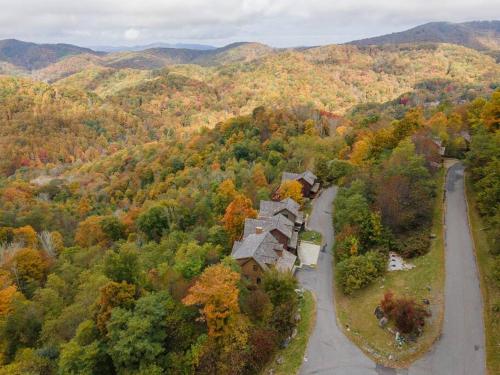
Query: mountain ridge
[478, 35]
[32, 56]
[18, 57]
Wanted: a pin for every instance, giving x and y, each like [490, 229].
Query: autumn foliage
[236, 213]
[408, 315]
[291, 189]
[217, 291]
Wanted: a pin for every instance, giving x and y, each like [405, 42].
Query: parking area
[308, 253]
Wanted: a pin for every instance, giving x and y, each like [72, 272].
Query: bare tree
[47, 243]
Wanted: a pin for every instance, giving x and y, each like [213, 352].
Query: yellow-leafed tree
[291, 189]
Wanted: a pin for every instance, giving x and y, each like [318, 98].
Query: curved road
[460, 351]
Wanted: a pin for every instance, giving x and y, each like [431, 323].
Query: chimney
[258, 230]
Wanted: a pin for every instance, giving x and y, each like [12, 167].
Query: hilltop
[479, 35]
[29, 56]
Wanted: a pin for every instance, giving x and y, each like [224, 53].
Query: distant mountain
[31, 56]
[53, 61]
[479, 35]
[201, 47]
[155, 58]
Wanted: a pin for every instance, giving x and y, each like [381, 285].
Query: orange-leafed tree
[217, 291]
[236, 213]
[27, 266]
[7, 293]
[360, 152]
[258, 176]
[83, 207]
[225, 351]
[291, 189]
[26, 236]
[113, 295]
[491, 112]
[89, 232]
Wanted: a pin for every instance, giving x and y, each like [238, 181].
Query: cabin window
[258, 280]
[255, 268]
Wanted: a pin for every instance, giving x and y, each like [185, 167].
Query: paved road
[329, 351]
[460, 350]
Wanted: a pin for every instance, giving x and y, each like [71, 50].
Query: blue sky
[280, 23]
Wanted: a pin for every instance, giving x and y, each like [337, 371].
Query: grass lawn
[311, 236]
[491, 293]
[356, 312]
[293, 355]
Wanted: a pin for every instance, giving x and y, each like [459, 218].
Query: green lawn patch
[311, 236]
[425, 281]
[489, 288]
[293, 355]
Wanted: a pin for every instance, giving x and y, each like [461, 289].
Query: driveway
[308, 253]
[328, 350]
[460, 351]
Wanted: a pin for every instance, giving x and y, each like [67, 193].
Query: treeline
[385, 202]
[483, 161]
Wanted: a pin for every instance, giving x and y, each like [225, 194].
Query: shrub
[414, 245]
[346, 243]
[337, 169]
[263, 344]
[408, 315]
[358, 271]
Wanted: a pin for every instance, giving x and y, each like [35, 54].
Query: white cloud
[277, 22]
[132, 34]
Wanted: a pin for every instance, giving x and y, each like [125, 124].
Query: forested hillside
[99, 109]
[115, 227]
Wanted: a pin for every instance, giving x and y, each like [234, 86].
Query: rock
[286, 342]
[280, 360]
[433, 235]
[294, 333]
[383, 322]
[429, 288]
[378, 312]
[390, 357]
[426, 301]
[399, 339]
[298, 317]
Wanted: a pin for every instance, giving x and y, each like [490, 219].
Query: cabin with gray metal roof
[308, 180]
